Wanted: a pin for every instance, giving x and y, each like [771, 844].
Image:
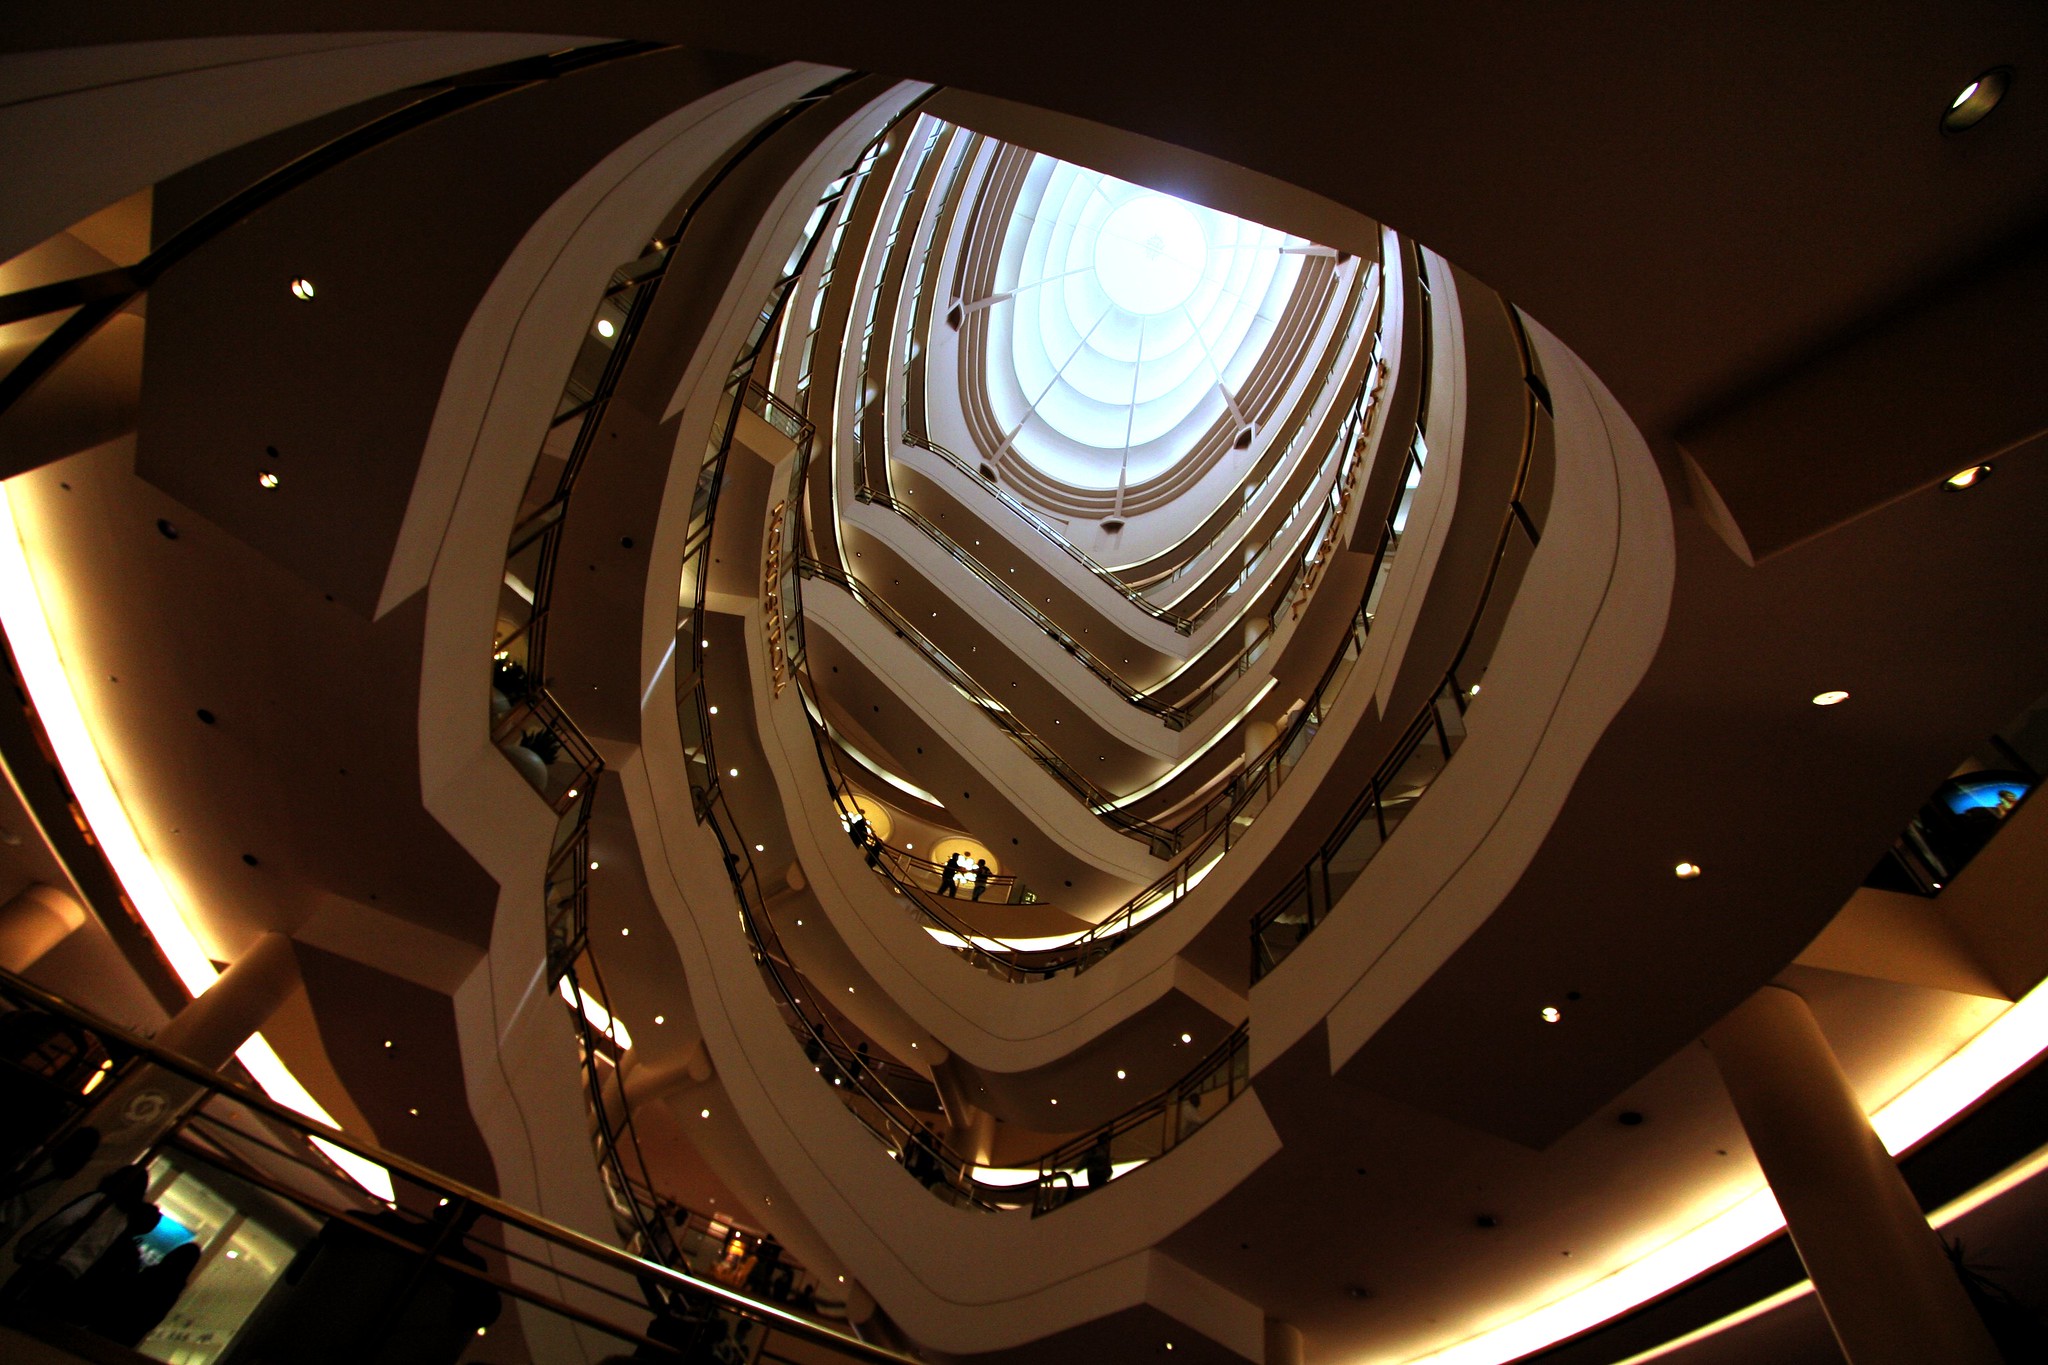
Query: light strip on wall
[1977, 1198]
[2000, 1049]
[49, 687]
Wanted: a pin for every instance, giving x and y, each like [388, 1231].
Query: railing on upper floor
[1347, 449]
[1213, 827]
[1144, 1132]
[89, 302]
[1175, 717]
[1147, 1132]
[1415, 762]
[1099, 801]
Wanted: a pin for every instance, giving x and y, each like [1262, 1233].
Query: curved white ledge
[1581, 635]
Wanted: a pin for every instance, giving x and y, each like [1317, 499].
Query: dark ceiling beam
[1944, 381]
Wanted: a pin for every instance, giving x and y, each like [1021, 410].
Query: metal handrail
[1176, 717]
[1102, 803]
[93, 300]
[1338, 861]
[465, 1199]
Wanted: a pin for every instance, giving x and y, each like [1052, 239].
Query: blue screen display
[167, 1236]
[1975, 793]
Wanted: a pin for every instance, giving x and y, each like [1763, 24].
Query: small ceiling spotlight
[714, 710]
[732, 772]
[605, 328]
[1687, 871]
[1974, 103]
[302, 289]
[703, 1113]
[1835, 698]
[593, 864]
[760, 848]
[1966, 478]
[1119, 1075]
[660, 1019]
[267, 479]
[1551, 1014]
[625, 933]
[572, 793]
[1187, 1037]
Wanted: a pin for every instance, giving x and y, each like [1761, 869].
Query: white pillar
[34, 922]
[1886, 1284]
[236, 1006]
[1283, 1343]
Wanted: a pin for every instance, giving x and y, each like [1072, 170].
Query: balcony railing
[1099, 801]
[1430, 738]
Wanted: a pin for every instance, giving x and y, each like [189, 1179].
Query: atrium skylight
[1126, 322]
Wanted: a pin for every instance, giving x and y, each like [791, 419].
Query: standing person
[949, 879]
[1098, 1165]
[981, 876]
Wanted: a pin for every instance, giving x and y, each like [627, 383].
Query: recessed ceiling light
[1687, 871]
[1966, 478]
[302, 289]
[1975, 101]
[267, 479]
[572, 793]
[714, 710]
[703, 1113]
[1829, 698]
[1119, 1075]
[661, 1019]
[732, 772]
[625, 933]
[760, 848]
[593, 864]
[1551, 1014]
[605, 328]
[1187, 1037]
[1055, 1101]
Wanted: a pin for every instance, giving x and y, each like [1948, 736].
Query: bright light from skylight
[1150, 255]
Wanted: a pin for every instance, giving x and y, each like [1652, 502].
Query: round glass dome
[1149, 255]
[1125, 322]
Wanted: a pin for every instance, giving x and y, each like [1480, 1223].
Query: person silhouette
[981, 876]
[949, 878]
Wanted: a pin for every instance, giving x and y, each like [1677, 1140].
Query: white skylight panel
[1130, 307]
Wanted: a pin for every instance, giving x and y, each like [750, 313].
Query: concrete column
[210, 1028]
[34, 922]
[1258, 734]
[1283, 1343]
[1884, 1281]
